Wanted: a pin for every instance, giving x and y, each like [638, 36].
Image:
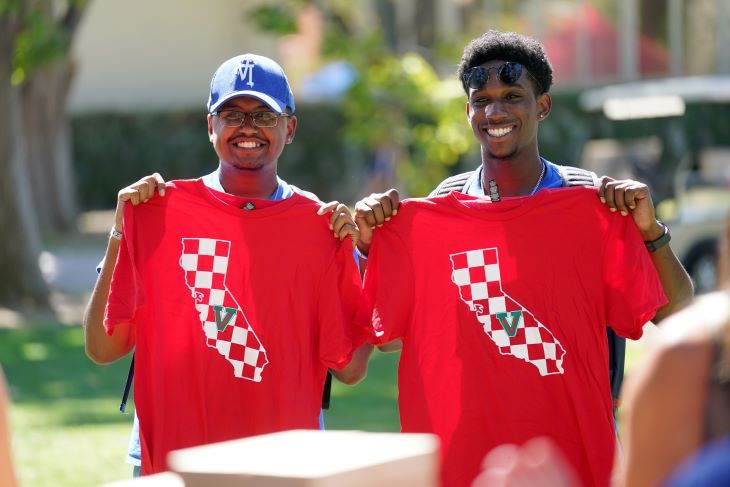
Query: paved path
[69, 265]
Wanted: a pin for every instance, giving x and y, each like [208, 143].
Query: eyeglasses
[234, 118]
[508, 73]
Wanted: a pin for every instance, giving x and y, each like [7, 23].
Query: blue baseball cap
[251, 75]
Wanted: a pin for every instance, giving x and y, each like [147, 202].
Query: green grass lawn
[67, 430]
[66, 427]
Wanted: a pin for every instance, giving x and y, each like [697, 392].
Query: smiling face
[504, 117]
[247, 147]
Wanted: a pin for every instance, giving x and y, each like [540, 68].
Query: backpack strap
[127, 387]
[616, 362]
[454, 183]
[571, 176]
[575, 176]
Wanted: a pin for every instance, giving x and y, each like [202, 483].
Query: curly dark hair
[508, 46]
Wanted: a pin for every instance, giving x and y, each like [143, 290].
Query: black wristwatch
[660, 242]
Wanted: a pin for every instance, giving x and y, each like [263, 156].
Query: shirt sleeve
[632, 286]
[126, 293]
[387, 302]
[339, 297]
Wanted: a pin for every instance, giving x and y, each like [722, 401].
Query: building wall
[150, 55]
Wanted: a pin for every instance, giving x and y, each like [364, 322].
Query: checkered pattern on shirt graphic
[226, 328]
[511, 326]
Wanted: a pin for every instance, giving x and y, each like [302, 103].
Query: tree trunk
[21, 286]
[47, 143]
[425, 24]
[46, 126]
[386, 13]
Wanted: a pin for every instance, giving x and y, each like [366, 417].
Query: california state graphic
[205, 262]
[511, 326]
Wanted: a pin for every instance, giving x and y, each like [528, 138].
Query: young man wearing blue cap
[234, 320]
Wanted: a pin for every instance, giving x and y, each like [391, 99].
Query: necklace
[494, 189]
[539, 180]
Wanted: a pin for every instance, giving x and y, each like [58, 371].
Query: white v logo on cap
[246, 67]
[235, 77]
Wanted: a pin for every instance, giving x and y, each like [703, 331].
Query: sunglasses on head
[508, 73]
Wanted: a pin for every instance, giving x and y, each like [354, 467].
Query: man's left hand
[629, 196]
[341, 222]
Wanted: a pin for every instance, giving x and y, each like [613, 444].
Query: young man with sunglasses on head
[539, 269]
[230, 287]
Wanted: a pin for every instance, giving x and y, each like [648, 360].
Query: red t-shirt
[502, 309]
[237, 314]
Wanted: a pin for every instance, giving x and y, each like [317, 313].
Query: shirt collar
[282, 192]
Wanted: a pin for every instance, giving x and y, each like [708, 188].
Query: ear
[468, 111]
[291, 128]
[544, 105]
[210, 128]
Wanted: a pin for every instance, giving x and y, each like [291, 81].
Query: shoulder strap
[616, 363]
[127, 387]
[571, 176]
[575, 176]
[453, 183]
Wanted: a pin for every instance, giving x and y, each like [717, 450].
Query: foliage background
[328, 158]
[66, 425]
[176, 145]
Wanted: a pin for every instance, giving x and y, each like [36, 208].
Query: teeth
[248, 145]
[499, 132]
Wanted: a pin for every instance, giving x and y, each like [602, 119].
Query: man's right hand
[139, 192]
[100, 347]
[373, 211]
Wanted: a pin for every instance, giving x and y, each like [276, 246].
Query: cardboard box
[167, 479]
[311, 458]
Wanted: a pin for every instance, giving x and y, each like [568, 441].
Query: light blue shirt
[283, 189]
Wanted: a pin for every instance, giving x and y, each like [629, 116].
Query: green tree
[36, 184]
[398, 103]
